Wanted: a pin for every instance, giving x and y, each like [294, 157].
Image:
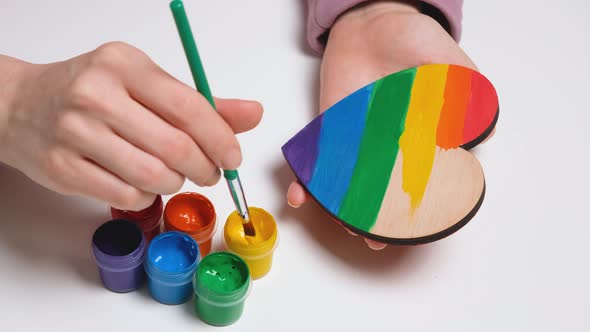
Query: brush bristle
[249, 229]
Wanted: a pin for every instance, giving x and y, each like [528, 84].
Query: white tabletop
[521, 265]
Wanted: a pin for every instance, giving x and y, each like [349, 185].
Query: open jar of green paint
[222, 283]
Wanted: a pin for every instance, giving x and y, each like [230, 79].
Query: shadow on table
[40, 226]
[352, 250]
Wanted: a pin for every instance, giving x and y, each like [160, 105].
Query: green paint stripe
[378, 150]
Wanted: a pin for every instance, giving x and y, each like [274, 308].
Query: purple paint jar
[119, 247]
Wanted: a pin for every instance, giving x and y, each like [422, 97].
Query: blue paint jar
[171, 261]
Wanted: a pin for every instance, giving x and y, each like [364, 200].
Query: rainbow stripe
[345, 157]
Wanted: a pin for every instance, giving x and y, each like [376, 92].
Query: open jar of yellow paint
[256, 251]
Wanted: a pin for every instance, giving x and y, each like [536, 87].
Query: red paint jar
[193, 214]
[149, 219]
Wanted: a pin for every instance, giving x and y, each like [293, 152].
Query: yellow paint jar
[256, 251]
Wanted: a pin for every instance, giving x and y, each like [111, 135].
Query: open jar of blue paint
[171, 261]
[118, 247]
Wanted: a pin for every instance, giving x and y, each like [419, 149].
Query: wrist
[12, 72]
[371, 9]
[373, 22]
[368, 18]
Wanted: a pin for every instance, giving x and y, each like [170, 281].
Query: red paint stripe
[483, 106]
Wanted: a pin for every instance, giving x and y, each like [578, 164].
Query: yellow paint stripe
[418, 142]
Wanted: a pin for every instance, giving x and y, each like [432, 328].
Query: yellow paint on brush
[256, 251]
[418, 142]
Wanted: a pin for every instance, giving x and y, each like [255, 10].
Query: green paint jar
[222, 284]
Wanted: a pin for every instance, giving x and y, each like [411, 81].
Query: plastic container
[256, 251]
[149, 219]
[118, 248]
[193, 214]
[222, 284]
[171, 261]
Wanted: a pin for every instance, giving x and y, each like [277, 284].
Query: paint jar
[193, 214]
[222, 284]
[118, 248]
[172, 258]
[149, 219]
[257, 251]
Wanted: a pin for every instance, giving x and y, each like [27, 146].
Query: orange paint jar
[193, 214]
[149, 219]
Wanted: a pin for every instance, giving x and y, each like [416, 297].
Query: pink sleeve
[323, 13]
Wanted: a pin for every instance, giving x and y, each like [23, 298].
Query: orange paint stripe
[449, 134]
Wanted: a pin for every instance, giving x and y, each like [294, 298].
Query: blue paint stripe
[340, 138]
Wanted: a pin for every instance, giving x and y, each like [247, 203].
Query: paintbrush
[192, 54]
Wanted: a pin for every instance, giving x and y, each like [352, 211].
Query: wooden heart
[389, 161]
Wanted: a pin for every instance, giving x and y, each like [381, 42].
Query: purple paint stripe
[301, 151]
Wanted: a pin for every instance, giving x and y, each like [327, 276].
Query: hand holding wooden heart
[390, 162]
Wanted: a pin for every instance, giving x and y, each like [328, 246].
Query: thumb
[241, 115]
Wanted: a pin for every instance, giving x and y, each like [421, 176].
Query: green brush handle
[194, 61]
[190, 49]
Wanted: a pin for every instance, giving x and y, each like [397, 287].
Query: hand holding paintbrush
[196, 66]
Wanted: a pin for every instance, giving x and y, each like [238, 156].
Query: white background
[521, 265]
